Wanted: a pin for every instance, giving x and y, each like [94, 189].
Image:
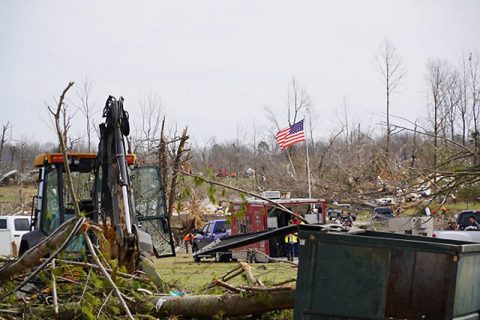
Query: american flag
[290, 135]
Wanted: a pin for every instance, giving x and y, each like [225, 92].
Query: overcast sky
[216, 64]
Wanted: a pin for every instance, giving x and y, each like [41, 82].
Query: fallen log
[196, 306]
[228, 305]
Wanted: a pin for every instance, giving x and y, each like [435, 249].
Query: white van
[11, 230]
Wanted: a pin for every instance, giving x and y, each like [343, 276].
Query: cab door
[151, 209]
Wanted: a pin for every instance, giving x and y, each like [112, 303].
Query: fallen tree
[198, 306]
[227, 305]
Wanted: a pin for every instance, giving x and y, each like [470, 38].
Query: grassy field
[186, 275]
[13, 197]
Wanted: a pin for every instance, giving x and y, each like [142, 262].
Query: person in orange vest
[188, 240]
[295, 219]
[290, 243]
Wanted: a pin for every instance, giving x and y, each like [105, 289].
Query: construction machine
[126, 200]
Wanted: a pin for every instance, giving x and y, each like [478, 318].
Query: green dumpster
[376, 275]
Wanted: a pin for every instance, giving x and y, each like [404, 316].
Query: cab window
[147, 188]
[206, 228]
[22, 224]
[83, 185]
[221, 227]
[210, 228]
[51, 215]
[3, 224]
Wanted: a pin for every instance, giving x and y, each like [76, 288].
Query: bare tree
[13, 151]
[87, 108]
[414, 145]
[297, 101]
[312, 122]
[272, 117]
[326, 150]
[3, 139]
[437, 81]
[453, 101]
[67, 117]
[179, 155]
[474, 84]
[393, 70]
[463, 107]
[150, 126]
[62, 133]
[23, 147]
[344, 122]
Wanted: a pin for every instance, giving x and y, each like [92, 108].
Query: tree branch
[275, 204]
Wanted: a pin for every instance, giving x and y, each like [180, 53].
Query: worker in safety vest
[290, 244]
[188, 240]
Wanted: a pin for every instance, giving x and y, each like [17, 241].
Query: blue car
[211, 231]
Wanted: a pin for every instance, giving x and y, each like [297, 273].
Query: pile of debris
[91, 287]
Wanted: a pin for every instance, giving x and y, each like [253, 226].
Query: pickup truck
[211, 231]
[462, 218]
[468, 236]
[12, 228]
[464, 232]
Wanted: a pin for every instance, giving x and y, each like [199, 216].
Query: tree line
[443, 145]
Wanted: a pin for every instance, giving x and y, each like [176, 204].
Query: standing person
[473, 223]
[452, 225]
[290, 243]
[295, 219]
[188, 240]
[347, 220]
[427, 211]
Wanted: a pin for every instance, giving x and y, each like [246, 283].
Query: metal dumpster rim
[377, 240]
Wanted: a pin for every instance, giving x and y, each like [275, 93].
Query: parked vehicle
[334, 213]
[385, 201]
[412, 196]
[460, 235]
[462, 218]
[382, 214]
[11, 230]
[211, 231]
[465, 232]
[254, 215]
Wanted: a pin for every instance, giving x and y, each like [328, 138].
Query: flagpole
[308, 162]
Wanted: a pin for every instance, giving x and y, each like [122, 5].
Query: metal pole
[308, 162]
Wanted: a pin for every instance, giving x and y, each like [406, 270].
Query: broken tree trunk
[175, 166]
[228, 305]
[62, 138]
[250, 277]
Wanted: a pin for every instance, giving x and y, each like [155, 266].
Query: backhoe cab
[126, 200]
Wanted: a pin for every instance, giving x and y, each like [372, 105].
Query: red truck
[254, 215]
